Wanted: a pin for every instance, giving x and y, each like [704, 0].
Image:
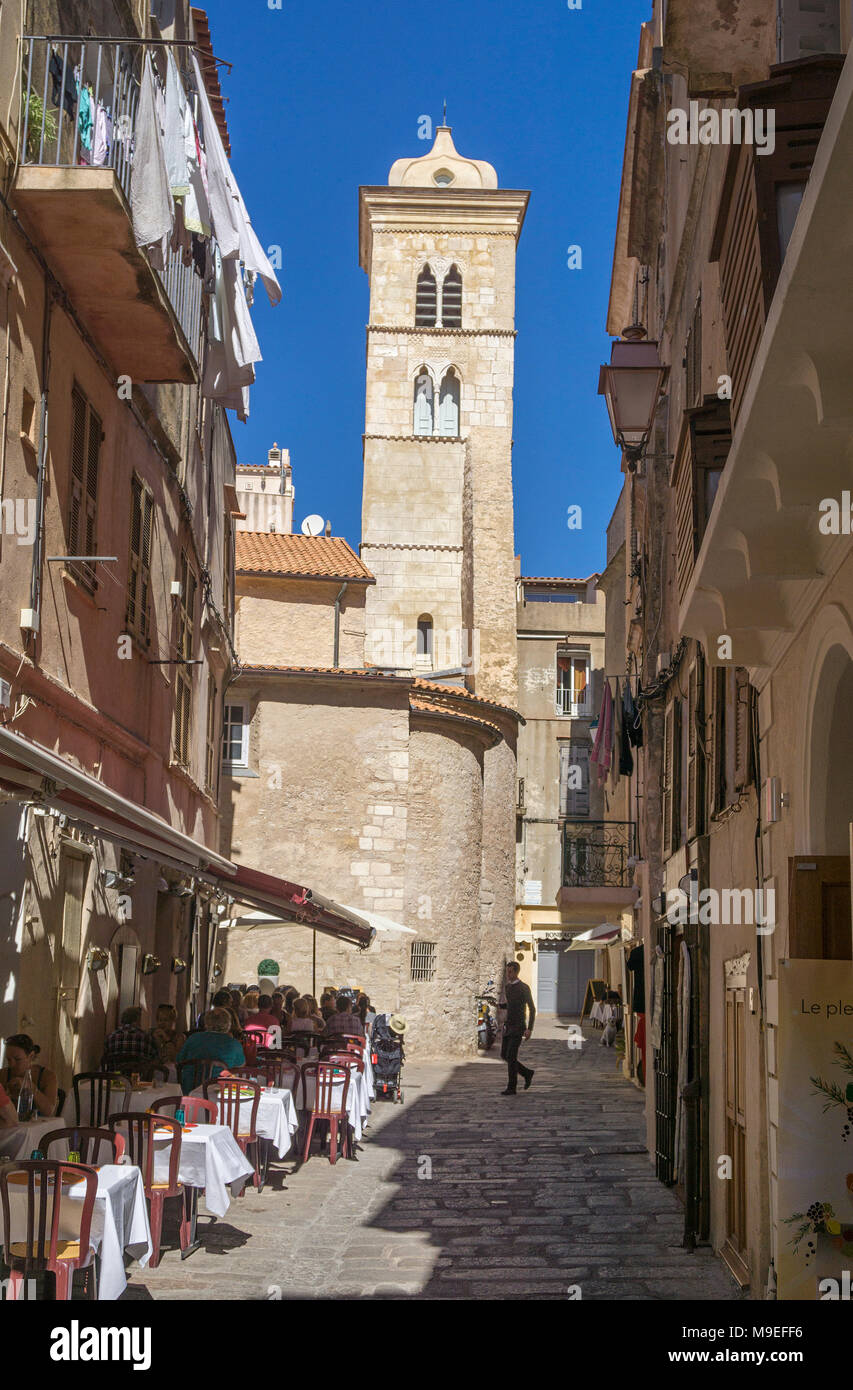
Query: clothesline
[134, 42]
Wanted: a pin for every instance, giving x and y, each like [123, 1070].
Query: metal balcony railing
[62, 129]
[569, 703]
[596, 853]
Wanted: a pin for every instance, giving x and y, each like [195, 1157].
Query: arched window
[423, 409]
[426, 300]
[425, 635]
[451, 299]
[448, 404]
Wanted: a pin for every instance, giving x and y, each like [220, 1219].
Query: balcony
[74, 197]
[573, 705]
[596, 873]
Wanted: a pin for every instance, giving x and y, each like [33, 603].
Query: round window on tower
[443, 177]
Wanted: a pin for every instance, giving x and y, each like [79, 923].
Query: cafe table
[211, 1162]
[358, 1099]
[119, 1221]
[18, 1141]
[141, 1098]
[277, 1120]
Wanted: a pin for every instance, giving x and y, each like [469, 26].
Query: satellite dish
[313, 525]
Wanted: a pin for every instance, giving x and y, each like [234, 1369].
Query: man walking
[518, 1025]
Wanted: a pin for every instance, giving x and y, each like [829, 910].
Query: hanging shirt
[102, 143]
[626, 757]
[633, 717]
[150, 196]
[637, 964]
[602, 749]
[86, 118]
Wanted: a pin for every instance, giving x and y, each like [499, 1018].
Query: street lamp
[632, 383]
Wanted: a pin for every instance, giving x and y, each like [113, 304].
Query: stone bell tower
[438, 244]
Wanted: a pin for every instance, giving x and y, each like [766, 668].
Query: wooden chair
[102, 1085]
[192, 1106]
[43, 1249]
[87, 1141]
[229, 1104]
[327, 1079]
[141, 1148]
[202, 1070]
[344, 1059]
[282, 1072]
[300, 1042]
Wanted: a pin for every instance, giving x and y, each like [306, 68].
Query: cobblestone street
[528, 1196]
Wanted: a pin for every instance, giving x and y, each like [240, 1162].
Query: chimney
[328, 528]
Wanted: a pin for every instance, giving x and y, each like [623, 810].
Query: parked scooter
[487, 1028]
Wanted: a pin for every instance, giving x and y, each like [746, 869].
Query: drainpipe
[337, 650]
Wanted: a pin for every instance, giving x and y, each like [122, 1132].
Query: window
[700, 457]
[211, 761]
[184, 677]
[671, 779]
[807, 28]
[451, 299]
[426, 300]
[574, 778]
[788, 199]
[235, 736]
[696, 749]
[425, 639]
[448, 405]
[550, 596]
[423, 406]
[573, 687]
[423, 960]
[86, 437]
[139, 565]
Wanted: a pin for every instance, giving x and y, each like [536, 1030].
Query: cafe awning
[282, 903]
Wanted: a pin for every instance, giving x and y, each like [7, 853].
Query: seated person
[344, 1023]
[264, 1018]
[165, 1033]
[213, 1044]
[21, 1054]
[8, 1113]
[277, 1005]
[130, 1047]
[327, 1005]
[224, 999]
[302, 1021]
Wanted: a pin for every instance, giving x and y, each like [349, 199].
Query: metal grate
[666, 1068]
[423, 960]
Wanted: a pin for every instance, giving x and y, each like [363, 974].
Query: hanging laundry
[102, 144]
[175, 131]
[626, 757]
[86, 118]
[69, 97]
[633, 718]
[150, 196]
[655, 1032]
[233, 348]
[232, 226]
[602, 749]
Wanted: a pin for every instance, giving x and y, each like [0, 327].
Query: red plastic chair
[328, 1078]
[82, 1138]
[229, 1103]
[102, 1086]
[345, 1059]
[192, 1106]
[141, 1150]
[283, 1072]
[43, 1249]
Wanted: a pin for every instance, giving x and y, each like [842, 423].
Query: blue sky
[324, 97]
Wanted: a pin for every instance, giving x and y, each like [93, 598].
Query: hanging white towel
[175, 142]
[151, 202]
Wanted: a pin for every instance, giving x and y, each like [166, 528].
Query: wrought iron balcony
[78, 125]
[569, 703]
[596, 853]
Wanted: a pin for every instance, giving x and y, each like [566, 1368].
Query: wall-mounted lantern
[97, 959]
[150, 964]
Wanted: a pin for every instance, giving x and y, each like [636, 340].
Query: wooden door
[735, 1251]
[819, 915]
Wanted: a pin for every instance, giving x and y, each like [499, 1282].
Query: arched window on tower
[451, 299]
[448, 404]
[425, 641]
[423, 408]
[426, 300]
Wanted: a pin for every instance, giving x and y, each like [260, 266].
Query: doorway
[562, 977]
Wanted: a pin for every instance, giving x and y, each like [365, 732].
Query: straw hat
[397, 1024]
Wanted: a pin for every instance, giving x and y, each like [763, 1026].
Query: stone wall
[291, 622]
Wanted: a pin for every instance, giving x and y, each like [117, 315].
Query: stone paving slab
[528, 1196]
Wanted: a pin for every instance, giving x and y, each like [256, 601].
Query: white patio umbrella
[604, 935]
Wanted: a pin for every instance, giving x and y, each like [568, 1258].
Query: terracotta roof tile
[296, 556]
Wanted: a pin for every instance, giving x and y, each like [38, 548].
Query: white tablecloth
[358, 1099]
[119, 1223]
[18, 1141]
[277, 1118]
[211, 1159]
[139, 1101]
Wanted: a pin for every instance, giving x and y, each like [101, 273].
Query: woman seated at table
[223, 999]
[165, 1033]
[302, 1022]
[314, 1012]
[250, 1006]
[8, 1113]
[213, 1044]
[21, 1054]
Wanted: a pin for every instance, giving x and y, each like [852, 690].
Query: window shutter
[717, 741]
[743, 729]
[93, 453]
[809, 27]
[426, 300]
[574, 800]
[145, 568]
[78, 470]
[451, 299]
[695, 750]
